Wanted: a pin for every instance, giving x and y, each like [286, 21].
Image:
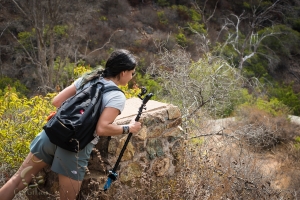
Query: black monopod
[112, 176]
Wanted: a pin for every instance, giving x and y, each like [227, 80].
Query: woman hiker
[71, 166]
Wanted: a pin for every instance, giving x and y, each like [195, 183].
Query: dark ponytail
[91, 76]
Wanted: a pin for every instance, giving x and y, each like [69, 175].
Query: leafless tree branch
[106, 43]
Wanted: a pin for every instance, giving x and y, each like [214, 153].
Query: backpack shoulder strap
[111, 88]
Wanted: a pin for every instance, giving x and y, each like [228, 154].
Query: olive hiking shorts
[64, 162]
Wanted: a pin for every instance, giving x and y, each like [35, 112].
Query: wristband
[125, 130]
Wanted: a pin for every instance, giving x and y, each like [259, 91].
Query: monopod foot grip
[111, 177]
[107, 184]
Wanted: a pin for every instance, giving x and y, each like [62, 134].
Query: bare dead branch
[34, 61]
[20, 8]
[220, 132]
[106, 43]
[4, 29]
[251, 40]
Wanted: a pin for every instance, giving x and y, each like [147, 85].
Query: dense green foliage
[7, 82]
[21, 120]
[272, 106]
[151, 84]
[286, 95]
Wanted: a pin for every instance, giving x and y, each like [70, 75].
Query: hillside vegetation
[42, 41]
[213, 59]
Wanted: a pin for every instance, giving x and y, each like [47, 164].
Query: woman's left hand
[134, 126]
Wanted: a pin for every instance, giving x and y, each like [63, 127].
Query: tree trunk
[51, 58]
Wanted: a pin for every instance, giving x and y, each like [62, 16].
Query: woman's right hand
[52, 113]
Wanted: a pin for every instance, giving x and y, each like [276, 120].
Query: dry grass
[254, 158]
[263, 132]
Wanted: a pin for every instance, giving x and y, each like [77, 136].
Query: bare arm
[64, 95]
[105, 126]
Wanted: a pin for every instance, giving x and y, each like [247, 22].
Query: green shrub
[196, 26]
[272, 106]
[188, 14]
[256, 67]
[163, 3]
[7, 82]
[183, 12]
[162, 17]
[61, 30]
[181, 39]
[286, 95]
[195, 16]
[150, 84]
[284, 44]
[25, 39]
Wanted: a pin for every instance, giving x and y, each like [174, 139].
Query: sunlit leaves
[21, 120]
